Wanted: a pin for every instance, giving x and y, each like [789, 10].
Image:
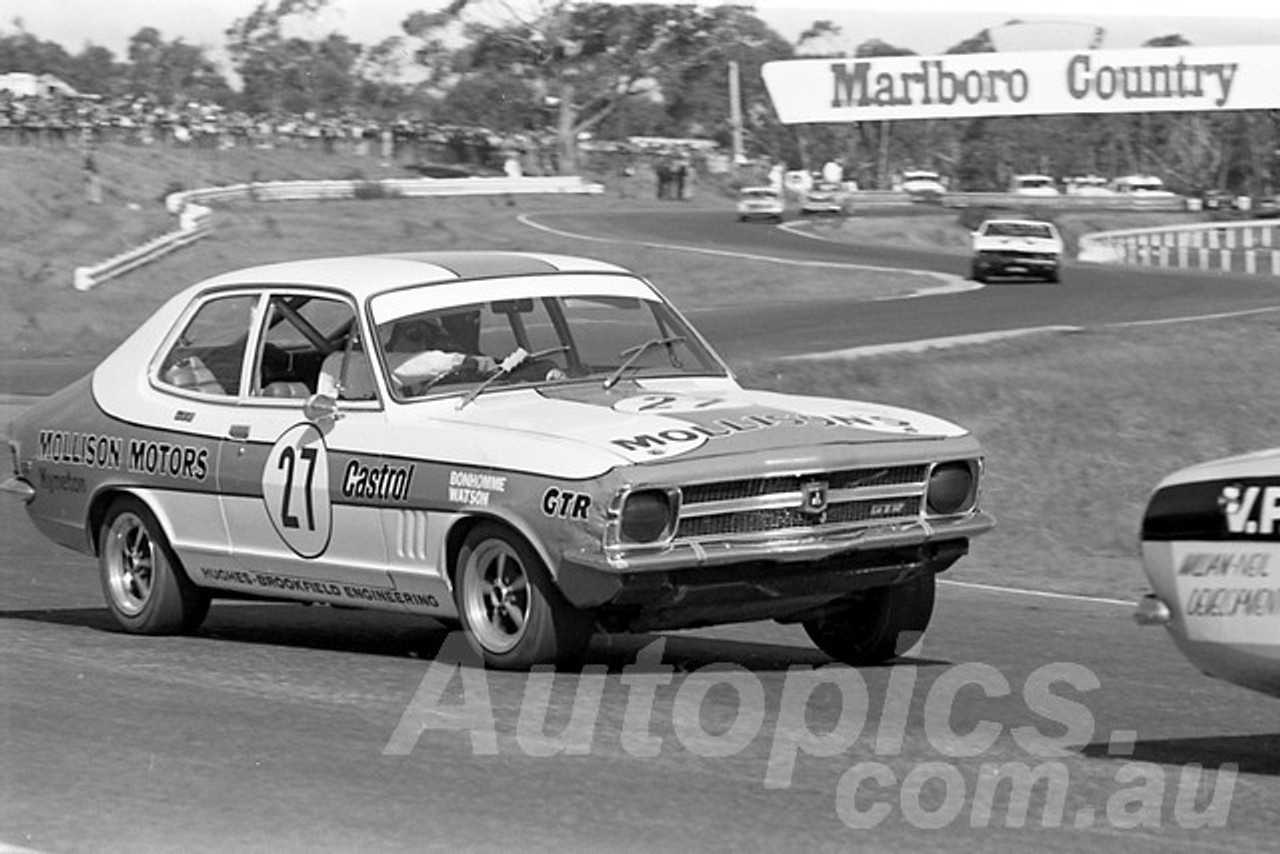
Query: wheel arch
[463, 526]
[101, 503]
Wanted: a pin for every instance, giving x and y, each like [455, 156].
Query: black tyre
[514, 615]
[977, 275]
[146, 588]
[1054, 277]
[877, 625]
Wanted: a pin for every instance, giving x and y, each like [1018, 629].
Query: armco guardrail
[193, 224]
[1067, 201]
[1060, 202]
[195, 219]
[1250, 246]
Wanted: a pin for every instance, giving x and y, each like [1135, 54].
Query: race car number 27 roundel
[295, 488]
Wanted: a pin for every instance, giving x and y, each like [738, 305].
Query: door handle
[239, 431]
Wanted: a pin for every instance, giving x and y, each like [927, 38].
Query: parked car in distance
[1211, 551]
[1217, 200]
[760, 203]
[532, 447]
[1033, 185]
[1088, 185]
[825, 197]
[923, 185]
[1148, 186]
[1017, 247]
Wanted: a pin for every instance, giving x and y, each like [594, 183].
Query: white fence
[1251, 246]
[195, 219]
[1060, 202]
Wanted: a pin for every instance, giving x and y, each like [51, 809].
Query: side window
[208, 355]
[303, 334]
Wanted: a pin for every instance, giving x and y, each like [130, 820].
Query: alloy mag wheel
[130, 558]
[495, 595]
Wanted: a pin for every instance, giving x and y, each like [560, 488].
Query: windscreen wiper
[632, 355]
[518, 357]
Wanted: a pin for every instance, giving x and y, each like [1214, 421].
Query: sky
[924, 26]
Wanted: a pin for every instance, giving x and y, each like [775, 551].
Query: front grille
[1019, 254]
[794, 519]
[733, 490]
[764, 505]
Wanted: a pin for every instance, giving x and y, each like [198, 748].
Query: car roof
[365, 275]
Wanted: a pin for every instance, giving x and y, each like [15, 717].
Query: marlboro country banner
[1142, 80]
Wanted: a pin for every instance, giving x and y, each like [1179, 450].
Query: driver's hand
[483, 364]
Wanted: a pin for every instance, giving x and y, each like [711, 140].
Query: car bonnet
[643, 422]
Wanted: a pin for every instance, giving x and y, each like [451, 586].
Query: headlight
[644, 517]
[952, 488]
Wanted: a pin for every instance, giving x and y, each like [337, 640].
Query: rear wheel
[878, 625]
[514, 615]
[146, 589]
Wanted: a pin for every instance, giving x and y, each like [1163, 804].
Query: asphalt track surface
[1022, 721]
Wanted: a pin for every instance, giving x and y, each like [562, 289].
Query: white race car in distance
[1017, 247]
[760, 203]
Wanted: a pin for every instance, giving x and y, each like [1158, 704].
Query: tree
[380, 70]
[95, 70]
[294, 74]
[588, 61]
[500, 102]
[172, 72]
[24, 52]
[819, 39]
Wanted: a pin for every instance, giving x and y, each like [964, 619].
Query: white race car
[825, 197]
[531, 446]
[1211, 550]
[760, 203]
[1017, 247]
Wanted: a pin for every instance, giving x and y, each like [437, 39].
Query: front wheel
[514, 615]
[146, 589]
[877, 625]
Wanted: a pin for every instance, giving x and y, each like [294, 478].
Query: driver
[420, 350]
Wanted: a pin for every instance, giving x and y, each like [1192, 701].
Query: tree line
[609, 71]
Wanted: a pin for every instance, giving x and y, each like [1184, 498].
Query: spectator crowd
[671, 166]
[61, 120]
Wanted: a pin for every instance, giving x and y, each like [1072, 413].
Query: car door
[295, 524]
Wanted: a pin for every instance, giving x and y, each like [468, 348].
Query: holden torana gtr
[1211, 550]
[1016, 247]
[534, 447]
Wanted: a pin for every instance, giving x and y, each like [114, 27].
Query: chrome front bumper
[781, 548]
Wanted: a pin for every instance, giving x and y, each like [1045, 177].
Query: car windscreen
[1018, 229]
[537, 339]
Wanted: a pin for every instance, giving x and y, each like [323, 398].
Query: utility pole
[735, 112]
